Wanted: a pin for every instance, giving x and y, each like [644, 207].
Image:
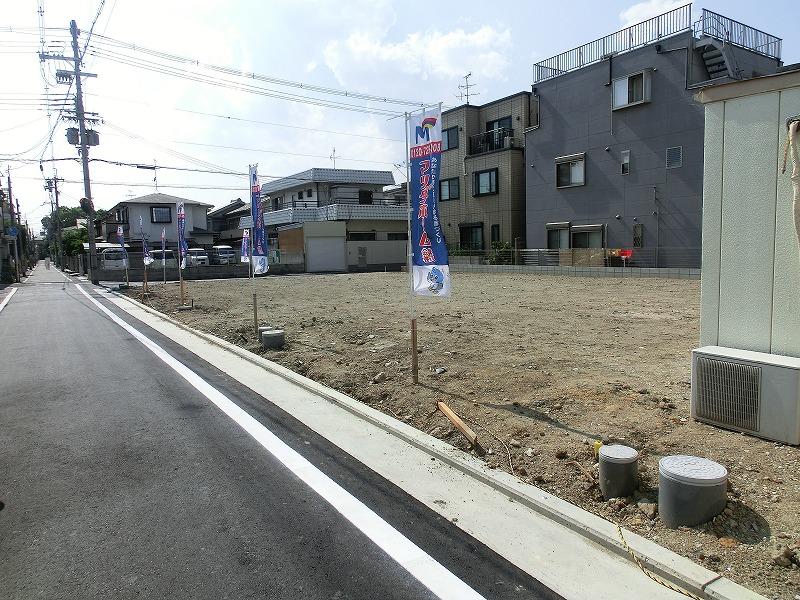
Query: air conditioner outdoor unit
[753, 392]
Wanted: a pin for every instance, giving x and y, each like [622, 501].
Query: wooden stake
[414, 360]
[471, 436]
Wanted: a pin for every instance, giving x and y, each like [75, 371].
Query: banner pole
[253, 288]
[144, 284]
[409, 263]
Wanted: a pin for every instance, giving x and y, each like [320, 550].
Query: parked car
[168, 255]
[113, 258]
[223, 255]
[196, 257]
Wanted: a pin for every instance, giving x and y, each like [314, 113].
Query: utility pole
[16, 241]
[80, 116]
[52, 186]
[87, 187]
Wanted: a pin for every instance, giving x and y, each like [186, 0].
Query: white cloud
[362, 55]
[649, 8]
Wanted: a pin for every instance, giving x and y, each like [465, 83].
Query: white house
[157, 211]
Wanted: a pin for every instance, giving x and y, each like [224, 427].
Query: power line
[256, 76]
[251, 121]
[282, 153]
[223, 83]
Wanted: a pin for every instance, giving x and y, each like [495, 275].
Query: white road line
[7, 298]
[413, 559]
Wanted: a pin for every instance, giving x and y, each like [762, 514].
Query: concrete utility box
[749, 310]
[750, 289]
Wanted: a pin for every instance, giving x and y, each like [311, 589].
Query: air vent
[728, 393]
[674, 157]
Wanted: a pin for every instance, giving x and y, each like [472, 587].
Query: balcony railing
[496, 139]
[733, 32]
[624, 40]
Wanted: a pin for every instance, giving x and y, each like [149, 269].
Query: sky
[413, 50]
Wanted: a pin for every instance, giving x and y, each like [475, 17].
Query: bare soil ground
[540, 366]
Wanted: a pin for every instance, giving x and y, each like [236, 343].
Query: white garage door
[326, 254]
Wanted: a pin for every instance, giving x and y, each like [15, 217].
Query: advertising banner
[259, 241]
[245, 243]
[182, 245]
[146, 257]
[429, 266]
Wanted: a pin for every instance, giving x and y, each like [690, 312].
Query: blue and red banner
[183, 247]
[429, 266]
[245, 255]
[260, 263]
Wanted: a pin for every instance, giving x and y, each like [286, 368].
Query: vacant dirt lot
[540, 366]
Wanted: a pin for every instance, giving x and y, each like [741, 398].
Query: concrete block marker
[273, 338]
[662, 562]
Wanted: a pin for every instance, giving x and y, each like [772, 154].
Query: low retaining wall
[634, 272]
[156, 274]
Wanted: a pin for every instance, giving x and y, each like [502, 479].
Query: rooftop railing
[624, 40]
[733, 32]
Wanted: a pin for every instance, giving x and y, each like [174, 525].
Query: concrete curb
[659, 560]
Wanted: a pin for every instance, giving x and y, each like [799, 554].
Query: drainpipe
[657, 214]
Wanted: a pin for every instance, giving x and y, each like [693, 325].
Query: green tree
[73, 241]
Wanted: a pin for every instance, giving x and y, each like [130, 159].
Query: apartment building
[614, 165]
[482, 186]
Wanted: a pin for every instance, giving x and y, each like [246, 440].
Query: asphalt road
[121, 480]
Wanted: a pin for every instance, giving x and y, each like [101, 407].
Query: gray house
[614, 166]
[337, 219]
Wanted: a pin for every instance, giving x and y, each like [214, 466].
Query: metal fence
[642, 258]
[624, 40]
[738, 34]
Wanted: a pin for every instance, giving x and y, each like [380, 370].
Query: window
[557, 236]
[160, 214]
[674, 157]
[122, 215]
[587, 236]
[308, 193]
[300, 195]
[471, 236]
[625, 162]
[397, 235]
[361, 236]
[484, 182]
[365, 196]
[638, 239]
[449, 138]
[495, 233]
[570, 170]
[504, 123]
[449, 189]
[630, 90]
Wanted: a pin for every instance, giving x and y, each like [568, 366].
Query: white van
[168, 255]
[113, 258]
[223, 255]
[196, 257]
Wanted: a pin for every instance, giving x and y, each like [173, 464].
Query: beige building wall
[507, 207]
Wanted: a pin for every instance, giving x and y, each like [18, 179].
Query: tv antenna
[333, 157]
[465, 93]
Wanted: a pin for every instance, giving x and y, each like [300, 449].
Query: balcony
[489, 141]
[384, 211]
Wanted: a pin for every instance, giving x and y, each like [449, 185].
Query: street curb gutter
[657, 559]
